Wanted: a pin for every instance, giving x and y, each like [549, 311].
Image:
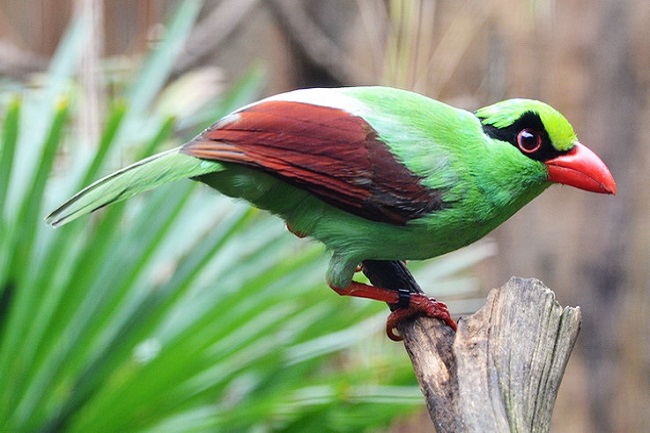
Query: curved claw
[419, 305]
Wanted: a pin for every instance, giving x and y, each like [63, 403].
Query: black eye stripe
[528, 120]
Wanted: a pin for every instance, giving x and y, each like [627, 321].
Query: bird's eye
[529, 140]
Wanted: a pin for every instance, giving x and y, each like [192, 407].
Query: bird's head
[541, 133]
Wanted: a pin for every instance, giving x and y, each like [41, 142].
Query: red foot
[418, 304]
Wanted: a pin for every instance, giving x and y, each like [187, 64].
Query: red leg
[360, 290]
[418, 304]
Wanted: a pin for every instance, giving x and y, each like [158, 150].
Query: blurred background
[150, 352]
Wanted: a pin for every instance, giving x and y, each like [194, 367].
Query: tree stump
[501, 372]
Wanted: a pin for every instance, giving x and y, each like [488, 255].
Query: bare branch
[212, 31]
[501, 372]
[314, 43]
[18, 63]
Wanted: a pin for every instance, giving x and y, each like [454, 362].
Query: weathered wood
[501, 372]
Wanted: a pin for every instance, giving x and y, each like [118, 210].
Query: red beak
[583, 169]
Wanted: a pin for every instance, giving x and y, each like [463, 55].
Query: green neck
[515, 179]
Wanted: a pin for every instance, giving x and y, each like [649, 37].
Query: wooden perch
[501, 372]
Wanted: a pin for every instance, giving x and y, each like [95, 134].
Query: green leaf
[179, 310]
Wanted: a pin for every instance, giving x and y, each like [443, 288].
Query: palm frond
[180, 310]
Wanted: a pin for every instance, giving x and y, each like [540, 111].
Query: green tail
[144, 175]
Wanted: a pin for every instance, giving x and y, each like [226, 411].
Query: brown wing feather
[334, 155]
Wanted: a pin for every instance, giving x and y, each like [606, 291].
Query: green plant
[181, 311]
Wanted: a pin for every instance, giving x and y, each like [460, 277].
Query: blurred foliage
[181, 310]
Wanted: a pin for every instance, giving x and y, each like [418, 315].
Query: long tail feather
[141, 176]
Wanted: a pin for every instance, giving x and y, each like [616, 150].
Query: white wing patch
[324, 97]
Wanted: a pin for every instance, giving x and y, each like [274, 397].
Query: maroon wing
[329, 152]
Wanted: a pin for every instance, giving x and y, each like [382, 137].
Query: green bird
[374, 173]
